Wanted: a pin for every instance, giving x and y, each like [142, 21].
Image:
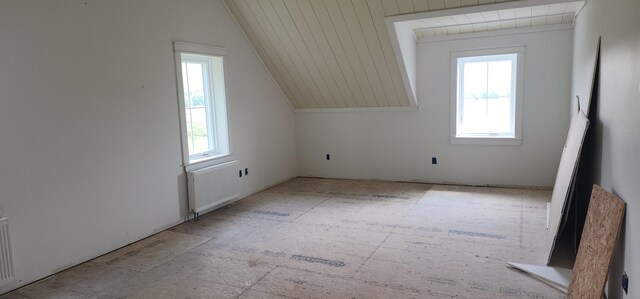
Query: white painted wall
[398, 145]
[618, 155]
[89, 132]
[407, 47]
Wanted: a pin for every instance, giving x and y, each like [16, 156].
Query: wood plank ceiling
[522, 17]
[332, 53]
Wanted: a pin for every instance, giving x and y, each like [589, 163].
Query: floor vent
[6, 257]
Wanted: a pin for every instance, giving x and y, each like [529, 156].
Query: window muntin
[202, 102]
[487, 96]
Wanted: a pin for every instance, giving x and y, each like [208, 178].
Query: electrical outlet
[240, 172]
[328, 157]
[434, 160]
[625, 283]
[246, 171]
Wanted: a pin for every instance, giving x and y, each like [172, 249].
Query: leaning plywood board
[564, 177]
[558, 278]
[599, 238]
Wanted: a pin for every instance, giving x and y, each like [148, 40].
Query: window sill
[486, 140]
[207, 162]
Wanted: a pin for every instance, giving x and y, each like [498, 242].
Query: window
[487, 96]
[201, 92]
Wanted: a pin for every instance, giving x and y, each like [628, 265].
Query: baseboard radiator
[6, 257]
[213, 187]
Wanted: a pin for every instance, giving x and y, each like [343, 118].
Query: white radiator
[213, 187]
[6, 257]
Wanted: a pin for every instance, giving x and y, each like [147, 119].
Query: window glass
[204, 105]
[486, 96]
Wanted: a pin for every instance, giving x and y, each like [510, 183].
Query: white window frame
[218, 129]
[516, 112]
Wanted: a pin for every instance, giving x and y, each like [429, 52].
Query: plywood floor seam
[325, 238]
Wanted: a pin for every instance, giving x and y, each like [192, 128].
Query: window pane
[205, 106]
[195, 108]
[485, 97]
[197, 132]
[196, 84]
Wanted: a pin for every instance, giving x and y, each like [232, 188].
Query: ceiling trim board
[473, 9]
[356, 109]
[438, 38]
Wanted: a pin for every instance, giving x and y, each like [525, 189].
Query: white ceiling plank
[461, 19]
[557, 8]
[539, 11]
[567, 19]
[446, 21]
[490, 16]
[273, 47]
[376, 10]
[305, 51]
[350, 49]
[435, 4]
[375, 48]
[480, 27]
[507, 14]
[523, 23]
[554, 20]
[495, 25]
[508, 24]
[431, 23]
[428, 32]
[364, 52]
[466, 28]
[441, 31]
[420, 5]
[476, 17]
[283, 52]
[523, 12]
[338, 53]
[390, 7]
[330, 55]
[538, 21]
[573, 7]
[291, 50]
[453, 30]
[314, 49]
[347, 66]
[404, 6]
[284, 86]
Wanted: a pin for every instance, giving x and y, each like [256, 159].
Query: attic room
[314, 148]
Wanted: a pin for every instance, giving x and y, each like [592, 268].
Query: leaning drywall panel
[617, 160]
[564, 177]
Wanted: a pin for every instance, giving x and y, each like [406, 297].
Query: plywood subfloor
[322, 238]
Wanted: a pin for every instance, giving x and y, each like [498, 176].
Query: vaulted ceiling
[332, 53]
